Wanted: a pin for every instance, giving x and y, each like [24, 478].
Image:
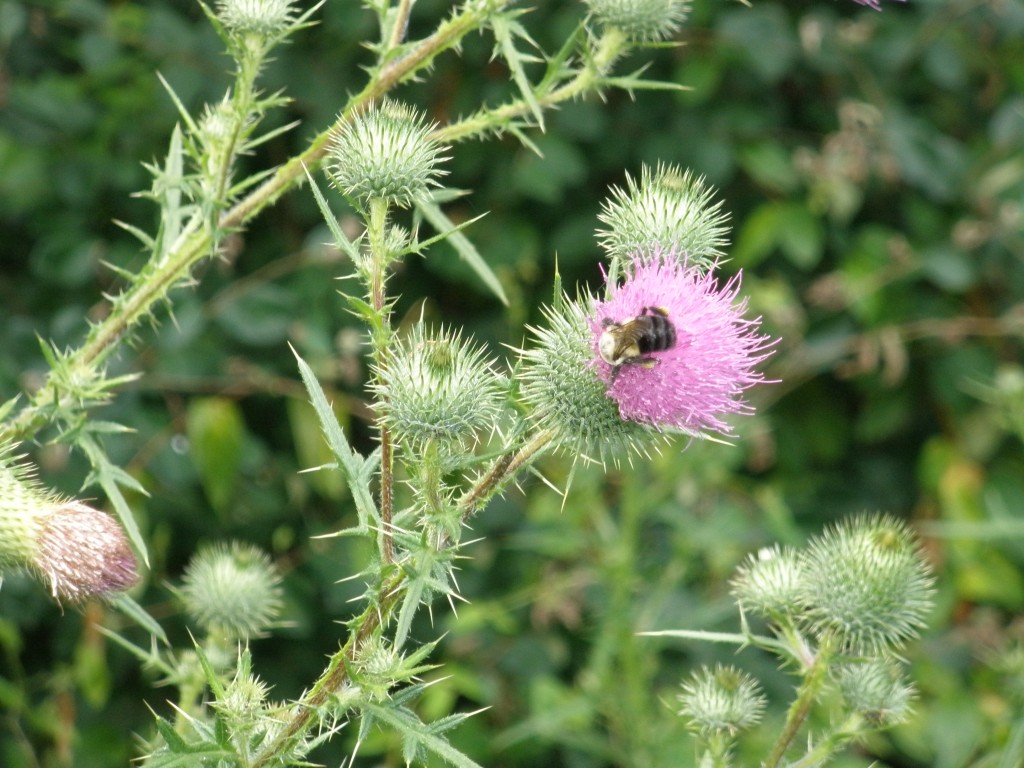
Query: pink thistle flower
[701, 375]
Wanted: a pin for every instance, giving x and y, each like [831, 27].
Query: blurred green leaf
[216, 433]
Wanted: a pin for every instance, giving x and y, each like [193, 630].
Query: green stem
[612, 45]
[196, 242]
[401, 24]
[503, 470]
[814, 678]
[305, 713]
[619, 667]
[378, 264]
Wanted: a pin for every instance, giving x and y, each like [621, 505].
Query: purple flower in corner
[674, 348]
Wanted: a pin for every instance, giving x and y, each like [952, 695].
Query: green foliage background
[873, 166]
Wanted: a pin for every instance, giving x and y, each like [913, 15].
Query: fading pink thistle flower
[701, 377]
[83, 553]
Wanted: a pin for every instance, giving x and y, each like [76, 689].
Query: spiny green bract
[386, 153]
[877, 689]
[436, 386]
[721, 700]
[642, 21]
[565, 395]
[668, 211]
[868, 585]
[770, 582]
[261, 17]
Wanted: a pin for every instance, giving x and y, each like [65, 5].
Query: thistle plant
[454, 426]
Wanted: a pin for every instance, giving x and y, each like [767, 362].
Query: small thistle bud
[78, 551]
[561, 386]
[720, 701]
[265, 18]
[769, 583]
[673, 348]
[868, 585]
[438, 387]
[642, 21]
[667, 211]
[877, 690]
[385, 153]
[245, 695]
[231, 591]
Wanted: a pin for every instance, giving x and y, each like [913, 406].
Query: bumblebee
[631, 342]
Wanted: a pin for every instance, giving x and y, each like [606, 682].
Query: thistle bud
[385, 153]
[769, 583]
[562, 388]
[667, 211]
[869, 586]
[438, 387]
[877, 690]
[264, 18]
[232, 591]
[641, 21]
[722, 700]
[78, 551]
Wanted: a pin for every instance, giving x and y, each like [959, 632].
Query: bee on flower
[674, 348]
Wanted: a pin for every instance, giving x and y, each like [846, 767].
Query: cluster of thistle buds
[77, 551]
[841, 610]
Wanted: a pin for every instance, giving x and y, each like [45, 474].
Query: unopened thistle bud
[79, 552]
[385, 153]
[668, 211]
[877, 690]
[722, 700]
[868, 585]
[770, 583]
[438, 387]
[560, 384]
[641, 21]
[265, 18]
[231, 591]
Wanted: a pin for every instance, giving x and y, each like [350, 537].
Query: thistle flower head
[872, 587]
[265, 18]
[877, 689]
[436, 386]
[564, 393]
[770, 582]
[722, 700]
[78, 551]
[385, 153]
[83, 553]
[695, 374]
[231, 590]
[642, 21]
[668, 211]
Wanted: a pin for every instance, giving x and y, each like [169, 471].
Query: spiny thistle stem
[303, 714]
[378, 222]
[391, 593]
[808, 692]
[192, 245]
[401, 24]
[502, 470]
[609, 48]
